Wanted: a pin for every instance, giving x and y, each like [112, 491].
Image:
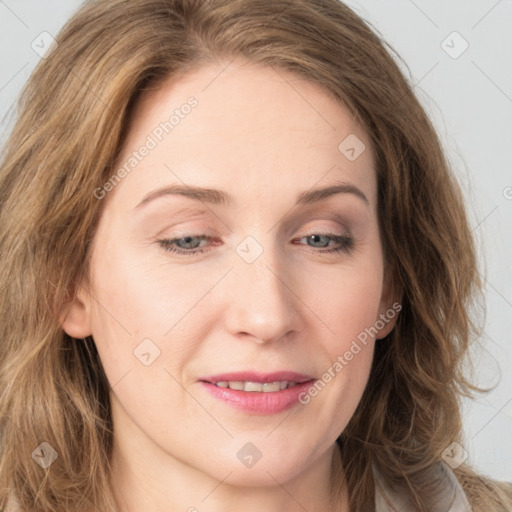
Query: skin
[264, 137]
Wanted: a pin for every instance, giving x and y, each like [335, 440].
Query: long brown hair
[73, 118]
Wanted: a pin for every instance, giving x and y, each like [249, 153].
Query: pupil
[188, 240]
[316, 238]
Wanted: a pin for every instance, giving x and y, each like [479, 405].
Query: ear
[75, 318]
[390, 303]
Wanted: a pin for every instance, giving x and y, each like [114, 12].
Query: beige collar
[452, 500]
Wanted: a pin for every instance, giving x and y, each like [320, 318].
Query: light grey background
[470, 100]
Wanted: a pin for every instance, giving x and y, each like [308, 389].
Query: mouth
[256, 387]
[258, 393]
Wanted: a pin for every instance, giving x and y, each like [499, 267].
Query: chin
[250, 467]
[261, 474]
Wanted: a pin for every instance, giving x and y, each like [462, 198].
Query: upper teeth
[265, 387]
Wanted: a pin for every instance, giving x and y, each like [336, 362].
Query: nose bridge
[261, 302]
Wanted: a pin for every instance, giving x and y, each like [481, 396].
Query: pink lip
[258, 402]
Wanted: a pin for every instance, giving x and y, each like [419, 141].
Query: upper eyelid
[312, 212]
[205, 223]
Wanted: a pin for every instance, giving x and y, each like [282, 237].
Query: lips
[258, 393]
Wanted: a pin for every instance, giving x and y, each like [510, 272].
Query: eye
[344, 242]
[187, 245]
[192, 244]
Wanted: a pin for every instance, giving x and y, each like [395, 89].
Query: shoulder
[485, 493]
[452, 497]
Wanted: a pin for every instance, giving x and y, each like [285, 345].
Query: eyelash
[346, 241]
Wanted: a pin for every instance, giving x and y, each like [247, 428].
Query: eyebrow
[216, 197]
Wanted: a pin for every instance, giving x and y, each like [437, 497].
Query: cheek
[348, 307]
[139, 309]
[334, 397]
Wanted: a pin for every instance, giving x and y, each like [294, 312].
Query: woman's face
[246, 286]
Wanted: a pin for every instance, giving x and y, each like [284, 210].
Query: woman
[238, 273]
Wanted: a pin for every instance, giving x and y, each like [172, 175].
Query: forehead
[253, 131]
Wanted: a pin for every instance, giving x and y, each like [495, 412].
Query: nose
[262, 302]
